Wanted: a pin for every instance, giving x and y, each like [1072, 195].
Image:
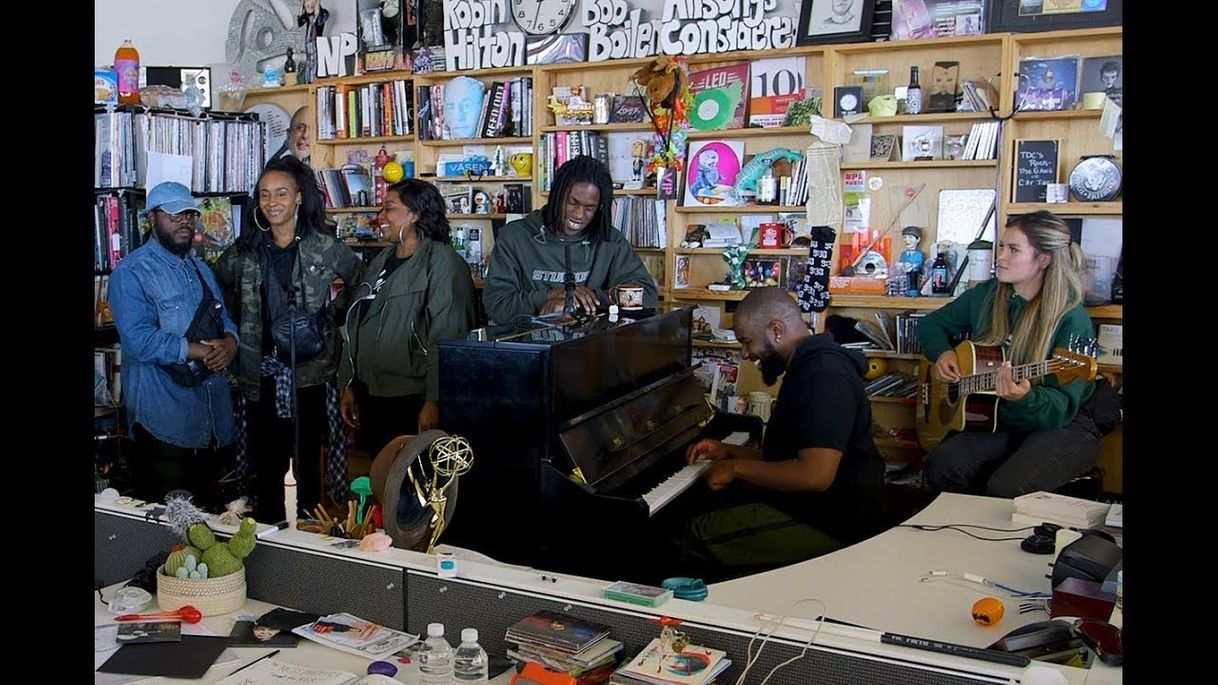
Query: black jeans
[1007, 464]
[269, 440]
[158, 467]
[382, 419]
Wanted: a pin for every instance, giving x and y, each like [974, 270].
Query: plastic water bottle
[436, 661]
[470, 665]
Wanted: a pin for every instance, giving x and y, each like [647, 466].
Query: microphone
[569, 282]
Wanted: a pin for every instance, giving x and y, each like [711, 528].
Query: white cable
[752, 658]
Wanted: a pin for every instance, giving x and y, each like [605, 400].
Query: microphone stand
[569, 284]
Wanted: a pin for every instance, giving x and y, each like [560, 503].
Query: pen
[956, 650]
[264, 656]
[273, 529]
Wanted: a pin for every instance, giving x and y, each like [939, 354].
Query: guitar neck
[988, 380]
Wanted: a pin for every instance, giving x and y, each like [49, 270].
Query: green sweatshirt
[529, 260]
[1048, 404]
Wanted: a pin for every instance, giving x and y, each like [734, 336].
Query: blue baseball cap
[172, 198]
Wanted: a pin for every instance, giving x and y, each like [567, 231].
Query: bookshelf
[989, 57]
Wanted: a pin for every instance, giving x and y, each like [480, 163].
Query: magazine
[694, 665]
[356, 636]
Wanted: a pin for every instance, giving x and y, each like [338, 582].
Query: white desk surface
[878, 582]
[306, 653]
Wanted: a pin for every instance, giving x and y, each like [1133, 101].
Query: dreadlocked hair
[581, 169]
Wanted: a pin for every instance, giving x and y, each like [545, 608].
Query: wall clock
[542, 17]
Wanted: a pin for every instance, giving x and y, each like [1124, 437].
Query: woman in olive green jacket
[413, 293]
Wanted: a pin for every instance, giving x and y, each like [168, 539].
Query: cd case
[637, 594]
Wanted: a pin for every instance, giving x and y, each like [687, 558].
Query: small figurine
[289, 69]
[734, 256]
[313, 17]
[499, 164]
[638, 149]
[500, 202]
[911, 259]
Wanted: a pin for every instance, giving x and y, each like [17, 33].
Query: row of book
[226, 151]
[116, 229]
[349, 186]
[557, 147]
[641, 219]
[982, 141]
[102, 314]
[898, 334]
[364, 110]
[506, 110]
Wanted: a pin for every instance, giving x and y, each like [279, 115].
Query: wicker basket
[212, 596]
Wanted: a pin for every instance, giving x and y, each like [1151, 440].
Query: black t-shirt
[280, 260]
[822, 403]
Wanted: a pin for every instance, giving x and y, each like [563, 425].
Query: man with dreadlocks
[572, 234]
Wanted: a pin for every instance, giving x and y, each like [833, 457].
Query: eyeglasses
[299, 128]
[187, 217]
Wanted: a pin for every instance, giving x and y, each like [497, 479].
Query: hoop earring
[260, 228]
[401, 231]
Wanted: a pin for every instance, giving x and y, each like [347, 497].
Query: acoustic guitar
[970, 404]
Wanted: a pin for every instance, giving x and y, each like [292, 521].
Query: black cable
[959, 529]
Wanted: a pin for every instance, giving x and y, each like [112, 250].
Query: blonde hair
[1060, 291]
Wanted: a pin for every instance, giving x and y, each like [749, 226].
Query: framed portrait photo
[1021, 16]
[834, 21]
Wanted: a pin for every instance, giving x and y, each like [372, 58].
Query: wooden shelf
[704, 294]
[717, 251]
[924, 43]
[351, 242]
[748, 209]
[526, 70]
[896, 444]
[1107, 311]
[928, 117]
[641, 126]
[715, 344]
[619, 191]
[889, 354]
[933, 164]
[1060, 114]
[300, 88]
[1112, 368]
[476, 216]
[1066, 208]
[1069, 36]
[750, 132]
[349, 210]
[885, 302]
[475, 179]
[892, 400]
[647, 249]
[363, 140]
[511, 140]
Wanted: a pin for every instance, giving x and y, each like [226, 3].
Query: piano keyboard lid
[638, 425]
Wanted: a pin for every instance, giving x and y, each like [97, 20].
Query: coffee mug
[628, 297]
[522, 162]
[760, 404]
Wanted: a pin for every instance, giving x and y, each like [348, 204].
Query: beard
[167, 242]
[771, 364]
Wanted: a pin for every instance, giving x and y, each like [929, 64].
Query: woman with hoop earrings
[277, 280]
[414, 292]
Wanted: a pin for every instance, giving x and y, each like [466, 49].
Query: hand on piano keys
[706, 450]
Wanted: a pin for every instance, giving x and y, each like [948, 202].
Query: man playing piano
[816, 482]
[571, 236]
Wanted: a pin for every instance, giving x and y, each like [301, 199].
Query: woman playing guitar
[1042, 440]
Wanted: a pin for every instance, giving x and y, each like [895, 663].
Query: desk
[307, 653]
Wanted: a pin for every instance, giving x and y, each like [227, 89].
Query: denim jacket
[154, 294]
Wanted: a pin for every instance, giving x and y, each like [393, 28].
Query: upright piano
[579, 437]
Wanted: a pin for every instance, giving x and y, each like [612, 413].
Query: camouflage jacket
[240, 275]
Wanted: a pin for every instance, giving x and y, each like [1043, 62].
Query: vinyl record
[712, 109]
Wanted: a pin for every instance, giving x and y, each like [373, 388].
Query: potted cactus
[205, 572]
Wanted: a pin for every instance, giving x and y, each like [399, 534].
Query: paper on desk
[271, 671]
[830, 131]
[164, 167]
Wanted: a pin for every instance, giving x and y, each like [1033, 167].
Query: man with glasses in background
[297, 143]
[176, 338]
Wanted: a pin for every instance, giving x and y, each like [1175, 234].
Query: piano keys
[579, 436]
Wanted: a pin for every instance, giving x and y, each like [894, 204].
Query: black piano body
[570, 427]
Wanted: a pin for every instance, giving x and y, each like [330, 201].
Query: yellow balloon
[876, 367]
[393, 172]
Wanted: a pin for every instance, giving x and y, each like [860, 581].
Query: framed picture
[1021, 16]
[834, 21]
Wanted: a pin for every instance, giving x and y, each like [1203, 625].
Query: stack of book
[564, 644]
[655, 665]
[1038, 507]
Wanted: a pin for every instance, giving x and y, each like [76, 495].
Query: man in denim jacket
[177, 431]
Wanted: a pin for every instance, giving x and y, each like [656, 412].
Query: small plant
[206, 557]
